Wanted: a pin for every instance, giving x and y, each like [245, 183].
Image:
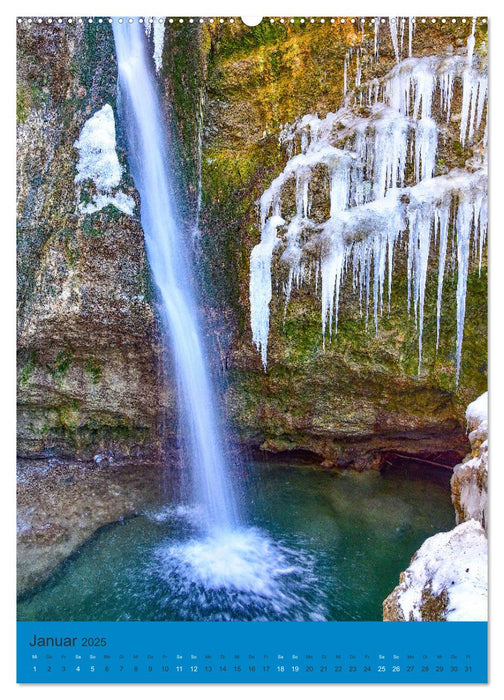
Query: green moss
[96, 224]
[92, 224]
[144, 284]
[22, 104]
[87, 191]
[81, 432]
[29, 97]
[71, 246]
[95, 65]
[62, 363]
[27, 368]
[69, 416]
[241, 39]
[93, 368]
[111, 213]
[303, 339]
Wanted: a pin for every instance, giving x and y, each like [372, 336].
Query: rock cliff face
[88, 347]
[447, 578]
[360, 395]
[90, 362]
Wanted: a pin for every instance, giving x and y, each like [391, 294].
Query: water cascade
[169, 260]
[220, 567]
[380, 172]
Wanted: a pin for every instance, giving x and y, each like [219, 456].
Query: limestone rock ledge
[447, 577]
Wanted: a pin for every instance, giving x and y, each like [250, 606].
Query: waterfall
[167, 251]
[221, 567]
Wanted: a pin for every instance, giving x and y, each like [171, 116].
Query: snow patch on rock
[452, 567]
[477, 412]
[99, 163]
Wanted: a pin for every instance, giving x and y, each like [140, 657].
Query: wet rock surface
[62, 504]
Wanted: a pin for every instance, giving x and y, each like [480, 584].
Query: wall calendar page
[252, 349]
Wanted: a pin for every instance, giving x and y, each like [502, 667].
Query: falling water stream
[220, 556]
[151, 165]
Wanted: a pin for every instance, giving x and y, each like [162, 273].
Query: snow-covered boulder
[446, 579]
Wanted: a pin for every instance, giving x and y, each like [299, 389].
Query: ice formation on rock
[156, 26]
[469, 483]
[380, 171]
[99, 163]
[477, 414]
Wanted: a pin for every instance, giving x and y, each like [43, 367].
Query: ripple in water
[239, 575]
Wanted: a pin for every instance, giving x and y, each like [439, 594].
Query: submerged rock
[60, 505]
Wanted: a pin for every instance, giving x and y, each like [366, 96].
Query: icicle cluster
[380, 172]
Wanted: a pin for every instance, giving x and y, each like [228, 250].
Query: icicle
[424, 79]
[340, 186]
[331, 267]
[389, 154]
[396, 226]
[358, 70]
[393, 34]
[379, 252]
[482, 97]
[443, 219]
[157, 27]
[369, 204]
[345, 68]
[421, 226]
[446, 80]
[410, 36]
[425, 149]
[260, 285]
[471, 86]
[376, 33]
[464, 223]
[367, 278]
[470, 44]
[483, 226]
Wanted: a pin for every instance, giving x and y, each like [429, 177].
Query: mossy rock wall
[362, 394]
[91, 374]
[89, 354]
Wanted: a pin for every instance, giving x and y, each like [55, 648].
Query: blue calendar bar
[252, 652]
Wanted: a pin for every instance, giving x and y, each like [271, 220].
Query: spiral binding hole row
[222, 20]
